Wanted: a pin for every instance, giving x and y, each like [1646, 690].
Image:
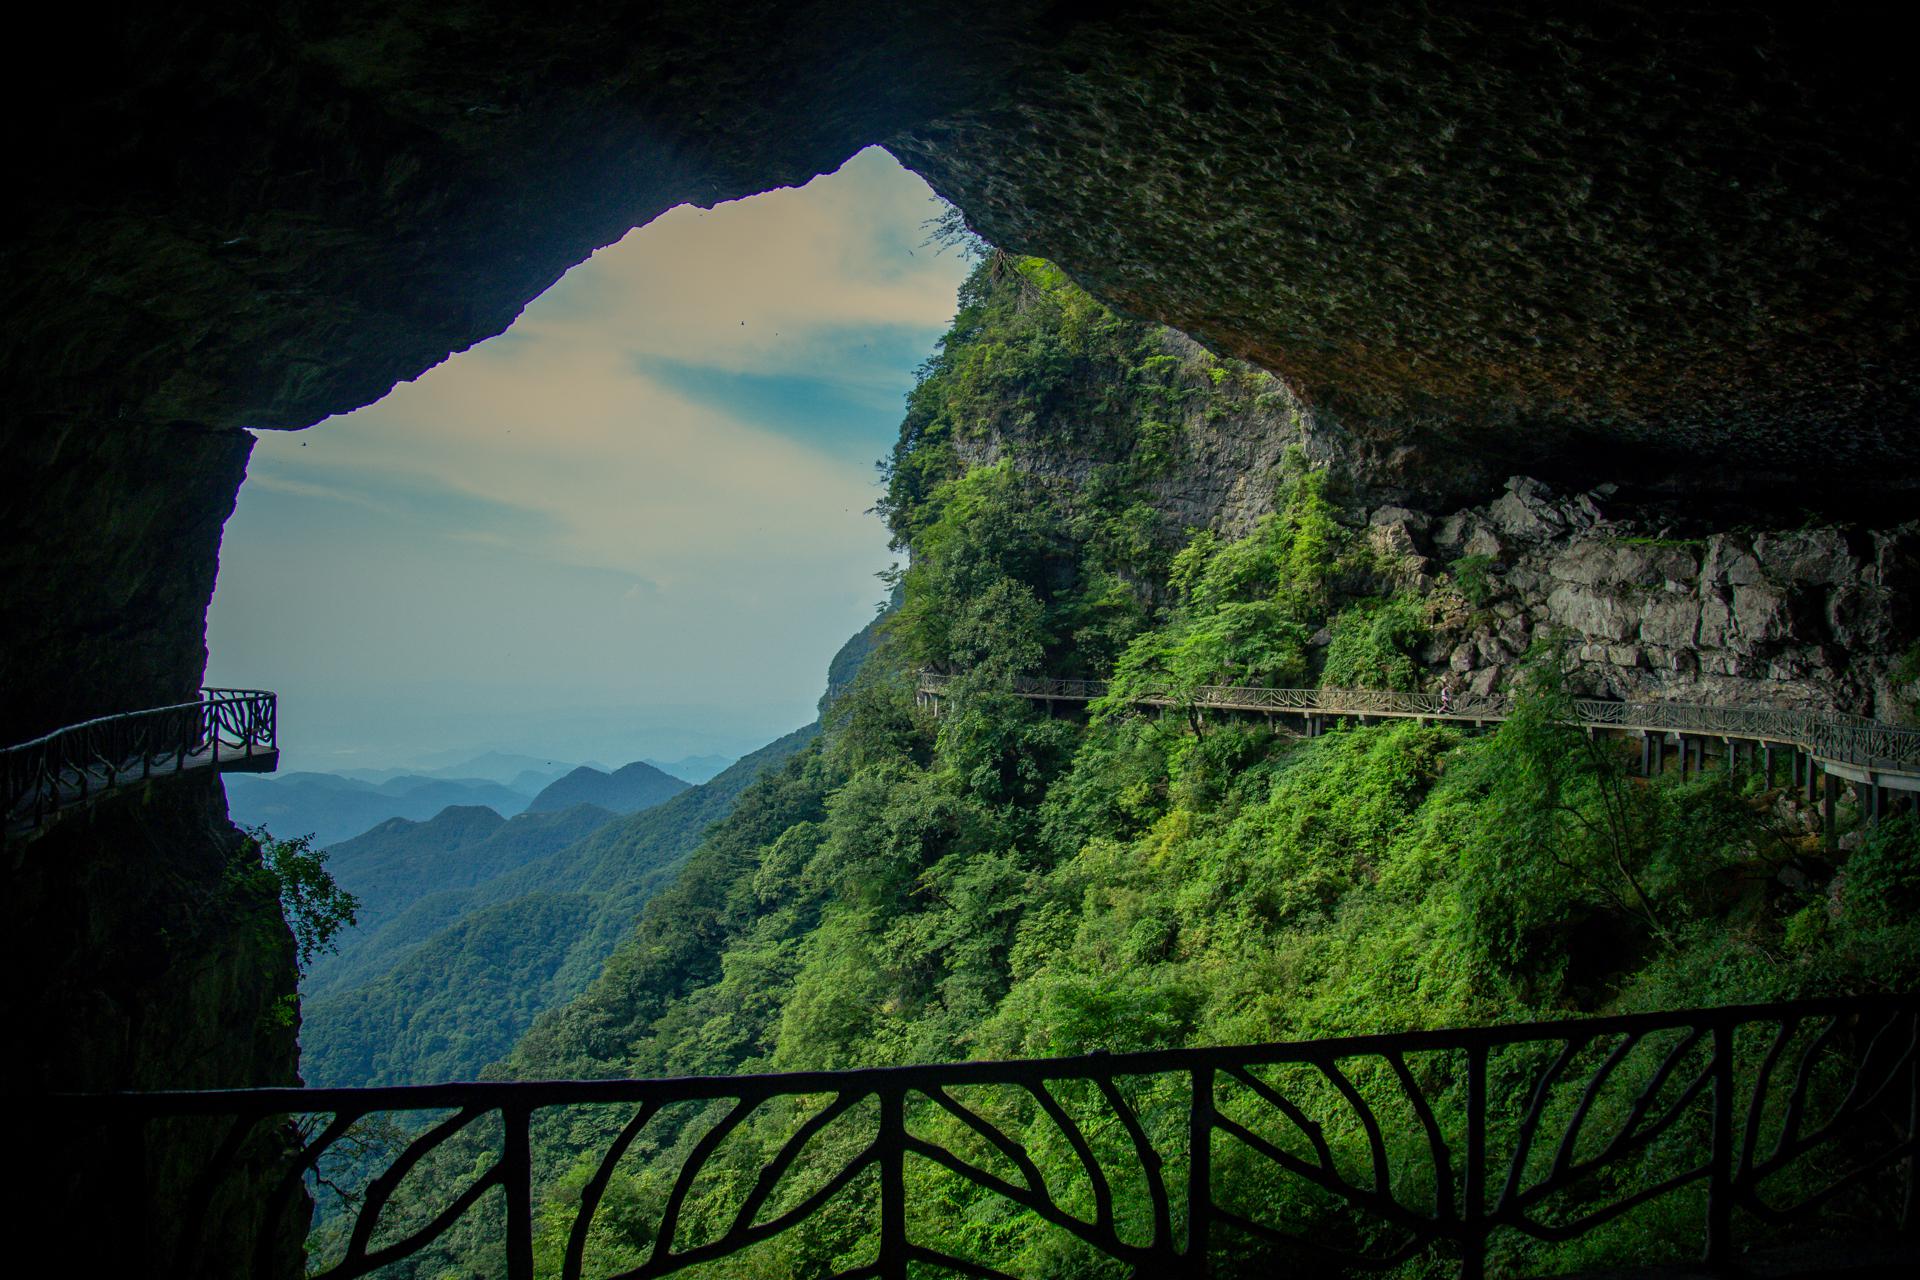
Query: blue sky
[634, 524]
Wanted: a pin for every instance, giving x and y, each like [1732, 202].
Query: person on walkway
[1446, 700]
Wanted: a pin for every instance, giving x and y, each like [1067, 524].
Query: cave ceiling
[1582, 239]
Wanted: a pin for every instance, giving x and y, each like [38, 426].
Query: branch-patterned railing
[1356, 1152]
[1827, 735]
[72, 765]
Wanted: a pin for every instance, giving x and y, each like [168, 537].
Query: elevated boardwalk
[225, 731]
[1816, 745]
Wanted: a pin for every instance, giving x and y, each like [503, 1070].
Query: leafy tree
[315, 907]
[1373, 645]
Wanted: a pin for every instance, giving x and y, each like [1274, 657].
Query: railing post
[1199, 1172]
[516, 1164]
[892, 1262]
[1473, 1241]
[1720, 1162]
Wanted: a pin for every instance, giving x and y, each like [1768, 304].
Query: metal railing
[73, 765]
[1355, 1152]
[1827, 735]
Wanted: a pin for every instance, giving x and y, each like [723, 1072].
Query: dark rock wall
[162, 968]
[1675, 240]
[109, 542]
[137, 960]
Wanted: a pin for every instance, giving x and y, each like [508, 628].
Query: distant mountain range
[333, 807]
[447, 968]
[401, 861]
[511, 768]
[470, 925]
[628, 789]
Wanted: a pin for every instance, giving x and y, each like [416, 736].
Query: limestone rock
[1414, 521]
[1527, 511]
[1731, 561]
[1672, 621]
[1591, 613]
[1482, 541]
[1815, 556]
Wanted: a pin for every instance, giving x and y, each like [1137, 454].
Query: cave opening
[635, 525]
[1674, 244]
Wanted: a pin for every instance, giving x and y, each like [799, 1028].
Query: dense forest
[995, 882]
[470, 924]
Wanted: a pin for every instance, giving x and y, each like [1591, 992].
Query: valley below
[1083, 496]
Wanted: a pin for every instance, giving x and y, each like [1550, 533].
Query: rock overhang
[1659, 245]
[1543, 235]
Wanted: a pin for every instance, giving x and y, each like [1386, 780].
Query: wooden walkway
[225, 731]
[1820, 746]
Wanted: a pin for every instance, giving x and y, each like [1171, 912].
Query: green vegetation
[315, 907]
[1373, 645]
[1905, 678]
[996, 883]
[399, 864]
[1474, 576]
[1243, 611]
[481, 926]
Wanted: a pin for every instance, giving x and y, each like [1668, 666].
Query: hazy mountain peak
[628, 789]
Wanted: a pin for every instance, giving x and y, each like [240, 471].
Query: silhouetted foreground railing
[1328, 1153]
[1827, 735]
[225, 728]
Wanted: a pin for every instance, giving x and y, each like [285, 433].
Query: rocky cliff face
[1819, 617]
[1649, 599]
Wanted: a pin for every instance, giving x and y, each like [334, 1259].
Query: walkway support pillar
[1830, 817]
[1766, 756]
[1646, 755]
[1868, 794]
